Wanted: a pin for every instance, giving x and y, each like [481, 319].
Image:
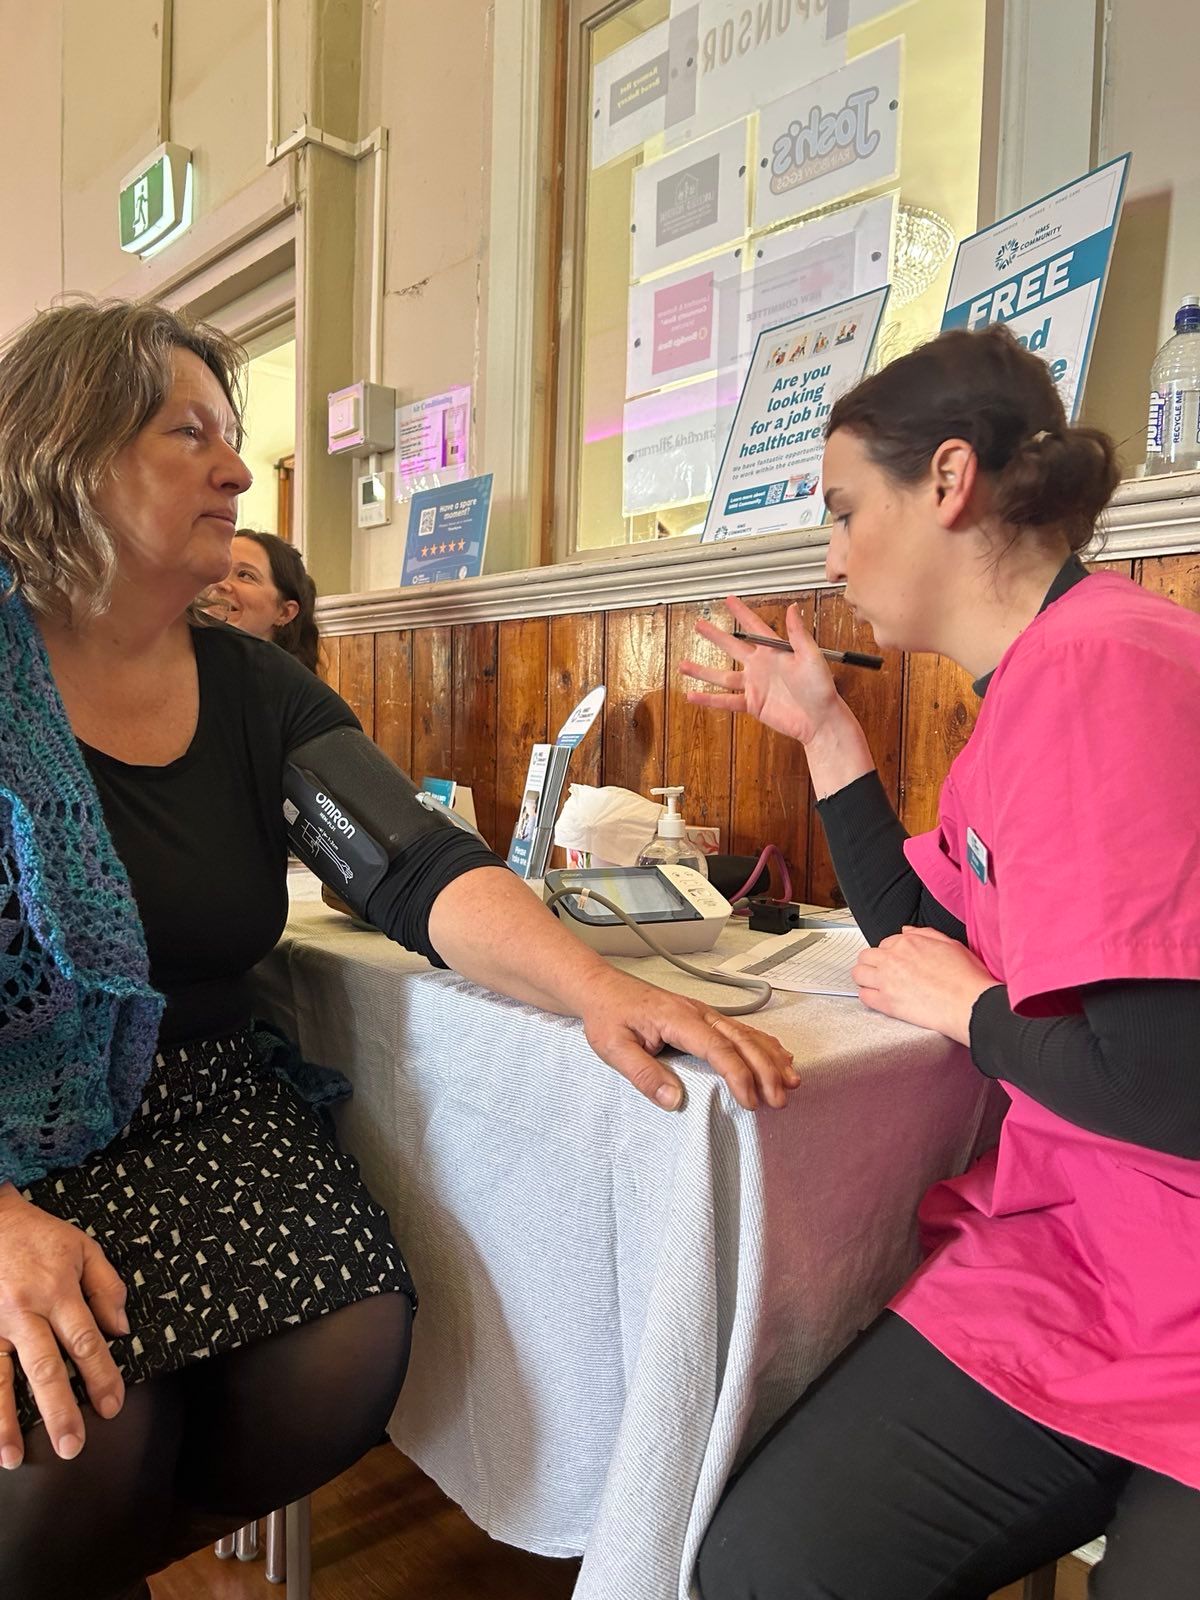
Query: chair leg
[223, 1549]
[245, 1542]
[277, 1547]
[299, 1549]
[1040, 1585]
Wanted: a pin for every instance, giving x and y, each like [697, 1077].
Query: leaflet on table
[443, 788]
[825, 141]
[1042, 272]
[533, 836]
[690, 202]
[447, 532]
[770, 478]
[729, 57]
[521, 848]
[672, 443]
[433, 439]
[456, 797]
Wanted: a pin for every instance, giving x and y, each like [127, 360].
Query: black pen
[848, 658]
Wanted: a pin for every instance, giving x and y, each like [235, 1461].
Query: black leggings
[898, 1477]
[195, 1454]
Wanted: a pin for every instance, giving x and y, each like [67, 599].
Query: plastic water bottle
[1173, 429]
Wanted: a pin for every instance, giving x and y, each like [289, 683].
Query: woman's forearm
[492, 928]
[837, 753]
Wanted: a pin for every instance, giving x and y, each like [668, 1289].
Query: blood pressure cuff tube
[351, 813]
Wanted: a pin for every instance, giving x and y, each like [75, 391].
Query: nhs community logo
[1013, 249]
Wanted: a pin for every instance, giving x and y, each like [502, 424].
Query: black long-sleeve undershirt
[1125, 1068]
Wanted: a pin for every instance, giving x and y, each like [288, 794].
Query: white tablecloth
[615, 1301]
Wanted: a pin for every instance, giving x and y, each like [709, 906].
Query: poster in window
[673, 325]
[769, 480]
[629, 95]
[1042, 273]
[830, 139]
[798, 270]
[690, 202]
[672, 444]
[730, 57]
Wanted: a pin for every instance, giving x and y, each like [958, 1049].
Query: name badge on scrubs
[977, 855]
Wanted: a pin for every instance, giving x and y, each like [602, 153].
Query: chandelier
[924, 241]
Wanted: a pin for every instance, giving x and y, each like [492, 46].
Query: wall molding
[1148, 517]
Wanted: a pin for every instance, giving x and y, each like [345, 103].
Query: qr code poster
[447, 530]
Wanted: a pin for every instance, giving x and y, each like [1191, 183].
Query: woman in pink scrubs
[1037, 1382]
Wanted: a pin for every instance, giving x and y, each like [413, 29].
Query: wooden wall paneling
[1178, 577]
[577, 666]
[699, 743]
[394, 696]
[329, 661]
[523, 663]
[356, 672]
[432, 704]
[940, 708]
[635, 668]
[771, 794]
[876, 699]
[474, 732]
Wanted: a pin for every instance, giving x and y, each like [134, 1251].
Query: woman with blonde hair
[199, 1299]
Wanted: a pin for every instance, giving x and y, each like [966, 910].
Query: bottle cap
[1188, 316]
[670, 824]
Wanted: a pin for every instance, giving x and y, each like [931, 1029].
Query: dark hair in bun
[986, 388]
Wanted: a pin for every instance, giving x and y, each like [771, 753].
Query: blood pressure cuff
[352, 814]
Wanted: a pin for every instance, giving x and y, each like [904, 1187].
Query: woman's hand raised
[791, 691]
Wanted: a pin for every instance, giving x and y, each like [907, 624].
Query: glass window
[712, 191]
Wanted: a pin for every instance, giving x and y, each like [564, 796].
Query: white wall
[270, 427]
[1151, 105]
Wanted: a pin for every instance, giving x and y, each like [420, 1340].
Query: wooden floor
[383, 1531]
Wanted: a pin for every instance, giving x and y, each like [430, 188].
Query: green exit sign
[156, 200]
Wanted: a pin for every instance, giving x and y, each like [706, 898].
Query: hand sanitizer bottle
[671, 845]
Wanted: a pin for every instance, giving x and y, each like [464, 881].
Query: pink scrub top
[1063, 1270]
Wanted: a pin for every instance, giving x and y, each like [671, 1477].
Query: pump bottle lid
[670, 824]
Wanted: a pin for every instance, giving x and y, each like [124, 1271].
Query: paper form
[809, 961]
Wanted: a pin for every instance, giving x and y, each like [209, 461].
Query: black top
[204, 842]
[1125, 1067]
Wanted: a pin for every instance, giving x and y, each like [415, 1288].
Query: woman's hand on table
[488, 926]
[627, 1022]
[919, 975]
[58, 1292]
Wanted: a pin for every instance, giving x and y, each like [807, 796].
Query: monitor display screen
[644, 895]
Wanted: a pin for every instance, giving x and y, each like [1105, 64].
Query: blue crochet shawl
[78, 1018]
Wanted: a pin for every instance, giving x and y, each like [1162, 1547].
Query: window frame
[1039, 132]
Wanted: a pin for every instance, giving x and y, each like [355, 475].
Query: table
[615, 1300]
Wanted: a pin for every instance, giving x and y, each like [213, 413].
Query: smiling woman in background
[269, 594]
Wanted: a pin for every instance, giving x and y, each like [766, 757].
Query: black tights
[193, 1455]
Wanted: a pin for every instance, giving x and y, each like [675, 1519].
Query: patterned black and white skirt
[226, 1207]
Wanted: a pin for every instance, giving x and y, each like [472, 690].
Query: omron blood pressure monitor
[677, 906]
